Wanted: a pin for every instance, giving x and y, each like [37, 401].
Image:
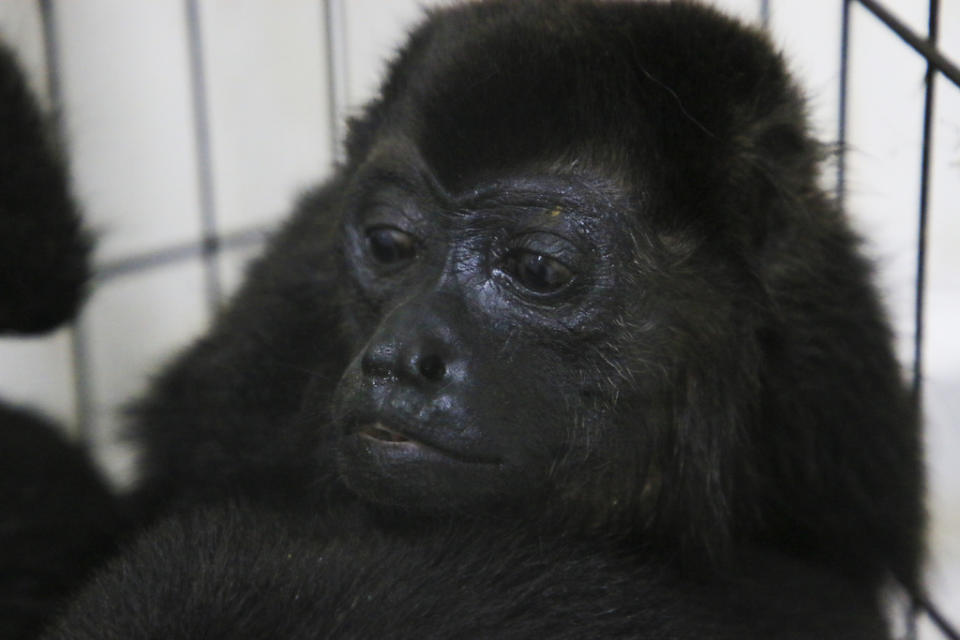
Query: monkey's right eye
[389, 245]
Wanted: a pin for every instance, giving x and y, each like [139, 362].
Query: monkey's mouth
[401, 444]
[379, 431]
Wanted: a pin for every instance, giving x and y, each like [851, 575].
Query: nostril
[432, 368]
[377, 361]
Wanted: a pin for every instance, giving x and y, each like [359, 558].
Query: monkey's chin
[390, 469]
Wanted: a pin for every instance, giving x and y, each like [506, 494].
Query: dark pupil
[390, 245]
[538, 272]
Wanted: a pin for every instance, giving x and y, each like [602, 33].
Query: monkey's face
[485, 327]
[522, 317]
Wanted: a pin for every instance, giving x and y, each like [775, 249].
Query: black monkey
[576, 273]
[577, 266]
[57, 517]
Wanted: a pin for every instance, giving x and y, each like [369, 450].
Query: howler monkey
[575, 290]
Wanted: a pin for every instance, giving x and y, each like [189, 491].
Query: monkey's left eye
[537, 272]
[389, 245]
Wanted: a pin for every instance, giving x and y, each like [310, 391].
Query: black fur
[57, 517]
[43, 262]
[58, 521]
[576, 274]
[255, 574]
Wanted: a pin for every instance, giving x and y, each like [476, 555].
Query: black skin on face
[480, 318]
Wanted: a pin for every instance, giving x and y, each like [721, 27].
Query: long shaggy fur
[249, 573]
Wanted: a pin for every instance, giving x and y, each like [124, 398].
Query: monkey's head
[587, 272]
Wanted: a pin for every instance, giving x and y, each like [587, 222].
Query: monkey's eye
[389, 245]
[536, 272]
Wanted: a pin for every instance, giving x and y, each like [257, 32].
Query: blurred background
[192, 126]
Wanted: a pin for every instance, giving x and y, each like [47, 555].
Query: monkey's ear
[775, 168]
[43, 249]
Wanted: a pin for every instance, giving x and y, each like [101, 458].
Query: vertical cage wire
[210, 240]
[79, 352]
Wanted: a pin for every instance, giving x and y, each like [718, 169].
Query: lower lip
[380, 442]
[365, 440]
[406, 451]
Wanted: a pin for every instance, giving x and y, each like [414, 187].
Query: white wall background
[279, 79]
